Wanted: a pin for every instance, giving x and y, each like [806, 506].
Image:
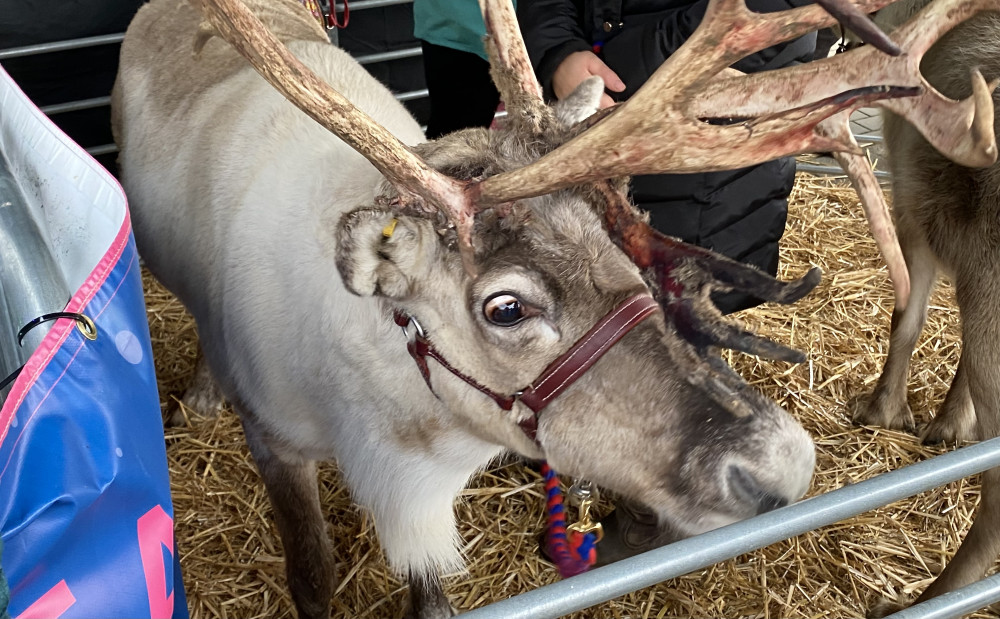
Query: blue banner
[85, 512]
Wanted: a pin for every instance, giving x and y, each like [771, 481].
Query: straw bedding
[231, 554]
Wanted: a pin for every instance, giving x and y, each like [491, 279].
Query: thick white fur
[260, 188]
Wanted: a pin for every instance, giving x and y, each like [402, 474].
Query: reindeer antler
[684, 274]
[664, 128]
[510, 67]
[419, 186]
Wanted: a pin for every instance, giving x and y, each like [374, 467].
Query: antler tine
[662, 128]
[962, 130]
[862, 176]
[646, 144]
[419, 185]
[682, 275]
[852, 18]
[510, 66]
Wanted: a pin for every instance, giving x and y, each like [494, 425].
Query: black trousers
[462, 95]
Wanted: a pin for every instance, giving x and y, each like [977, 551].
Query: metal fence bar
[398, 54]
[954, 604]
[58, 46]
[694, 553]
[361, 5]
[72, 106]
[835, 170]
[819, 169]
[103, 149]
[868, 137]
[412, 94]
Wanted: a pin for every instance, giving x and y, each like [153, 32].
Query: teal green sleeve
[457, 24]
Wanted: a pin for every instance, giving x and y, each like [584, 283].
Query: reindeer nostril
[744, 486]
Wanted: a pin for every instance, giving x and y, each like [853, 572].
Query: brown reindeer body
[948, 218]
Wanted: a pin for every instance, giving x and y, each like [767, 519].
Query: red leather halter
[559, 374]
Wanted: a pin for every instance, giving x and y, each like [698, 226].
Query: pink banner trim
[79, 347]
[52, 605]
[40, 359]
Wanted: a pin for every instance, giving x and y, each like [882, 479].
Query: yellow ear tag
[389, 228]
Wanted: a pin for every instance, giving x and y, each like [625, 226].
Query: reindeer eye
[503, 309]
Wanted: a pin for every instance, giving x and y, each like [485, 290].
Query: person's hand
[577, 67]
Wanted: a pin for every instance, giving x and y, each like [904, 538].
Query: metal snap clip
[586, 494]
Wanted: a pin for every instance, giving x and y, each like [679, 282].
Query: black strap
[80, 318]
[11, 378]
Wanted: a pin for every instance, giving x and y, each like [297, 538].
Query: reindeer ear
[581, 103]
[379, 252]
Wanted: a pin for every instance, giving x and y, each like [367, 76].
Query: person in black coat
[739, 213]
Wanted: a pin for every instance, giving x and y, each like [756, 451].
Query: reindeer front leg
[427, 597]
[887, 405]
[981, 365]
[292, 487]
[203, 395]
[409, 481]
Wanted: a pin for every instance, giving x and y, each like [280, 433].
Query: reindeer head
[509, 247]
[655, 418]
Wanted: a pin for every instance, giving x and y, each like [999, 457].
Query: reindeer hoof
[949, 429]
[203, 397]
[877, 409]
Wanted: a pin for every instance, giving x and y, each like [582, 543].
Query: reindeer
[541, 314]
[948, 218]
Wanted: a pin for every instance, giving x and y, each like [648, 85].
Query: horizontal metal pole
[835, 170]
[361, 5]
[72, 106]
[954, 604]
[685, 556]
[398, 54]
[819, 169]
[868, 137]
[58, 46]
[103, 149]
[413, 94]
